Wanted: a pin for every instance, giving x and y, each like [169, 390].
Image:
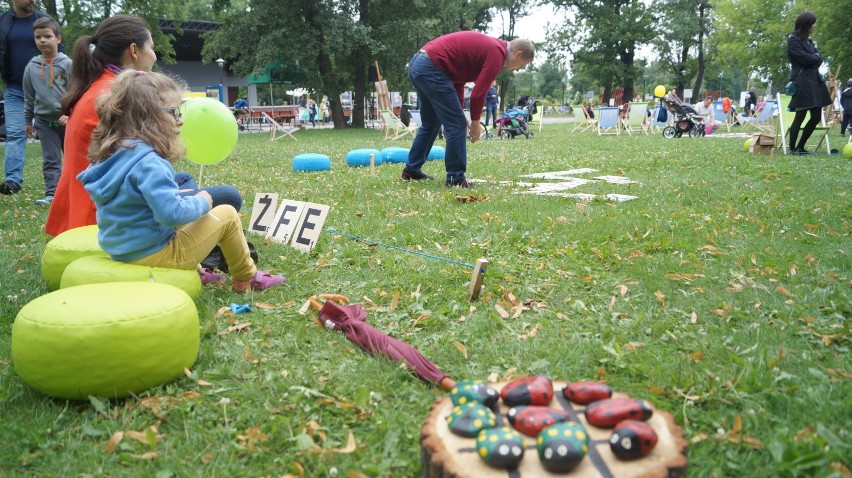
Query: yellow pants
[194, 241]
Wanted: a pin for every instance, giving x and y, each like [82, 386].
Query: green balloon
[747, 145]
[209, 130]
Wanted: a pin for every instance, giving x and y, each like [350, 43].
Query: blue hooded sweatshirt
[138, 202]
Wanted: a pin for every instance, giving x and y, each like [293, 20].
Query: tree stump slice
[446, 455]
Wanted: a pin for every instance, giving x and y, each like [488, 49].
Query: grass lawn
[723, 295]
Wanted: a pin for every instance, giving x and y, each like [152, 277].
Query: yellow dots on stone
[480, 412]
[467, 387]
[493, 437]
[449, 418]
[454, 391]
[457, 409]
[585, 448]
[540, 440]
[483, 451]
[462, 400]
[552, 432]
[477, 423]
[581, 435]
[492, 422]
[569, 433]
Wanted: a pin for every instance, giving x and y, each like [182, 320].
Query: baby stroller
[686, 119]
[515, 120]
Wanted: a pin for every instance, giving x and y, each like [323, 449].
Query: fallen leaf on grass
[224, 311]
[462, 349]
[204, 383]
[531, 333]
[685, 276]
[355, 474]
[783, 291]
[622, 289]
[264, 305]
[501, 311]
[148, 455]
[113, 442]
[699, 438]
[237, 327]
[149, 436]
[712, 250]
[421, 318]
[693, 317]
[633, 346]
[721, 312]
[349, 448]
[827, 340]
[839, 373]
[695, 356]
[661, 298]
[394, 301]
[251, 437]
[471, 198]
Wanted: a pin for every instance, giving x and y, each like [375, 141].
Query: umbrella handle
[447, 383]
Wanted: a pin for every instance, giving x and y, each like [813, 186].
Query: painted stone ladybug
[535, 390]
[532, 419]
[500, 447]
[470, 419]
[632, 439]
[561, 447]
[607, 413]
[467, 391]
[585, 393]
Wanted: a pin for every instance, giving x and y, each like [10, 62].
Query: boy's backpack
[726, 105]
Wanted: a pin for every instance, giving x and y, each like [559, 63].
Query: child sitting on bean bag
[142, 218]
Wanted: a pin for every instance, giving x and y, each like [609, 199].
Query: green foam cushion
[108, 340]
[99, 269]
[67, 248]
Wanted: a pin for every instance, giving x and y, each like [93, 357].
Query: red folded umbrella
[351, 319]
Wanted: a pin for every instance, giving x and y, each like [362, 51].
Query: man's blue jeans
[220, 194]
[16, 137]
[439, 104]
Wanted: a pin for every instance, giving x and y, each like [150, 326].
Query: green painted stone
[469, 419]
[561, 447]
[467, 391]
[500, 447]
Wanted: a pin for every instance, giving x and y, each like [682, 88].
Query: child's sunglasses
[174, 110]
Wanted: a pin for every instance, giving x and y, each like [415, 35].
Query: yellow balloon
[660, 91]
[847, 151]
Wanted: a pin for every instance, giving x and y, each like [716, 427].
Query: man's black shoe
[459, 184]
[408, 176]
[9, 187]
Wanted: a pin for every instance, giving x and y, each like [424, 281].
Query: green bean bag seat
[99, 270]
[67, 248]
[107, 340]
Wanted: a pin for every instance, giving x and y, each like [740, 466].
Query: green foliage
[721, 295]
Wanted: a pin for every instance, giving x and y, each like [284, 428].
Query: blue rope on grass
[370, 241]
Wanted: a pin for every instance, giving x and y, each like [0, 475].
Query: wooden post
[476, 278]
[372, 164]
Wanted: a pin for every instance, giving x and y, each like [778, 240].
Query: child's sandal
[262, 280]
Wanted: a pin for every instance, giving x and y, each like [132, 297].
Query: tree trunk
[699, 77]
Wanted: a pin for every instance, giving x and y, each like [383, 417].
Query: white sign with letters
[263, 212]
[296, 223]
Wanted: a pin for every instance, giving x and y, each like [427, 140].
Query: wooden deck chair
[763, 121]
[655, 125]
[720, 116]
[582, 118]
[785, 118]
[277, 130]
[394, 127]
[636, 119]
[415, 117]
[608, 121]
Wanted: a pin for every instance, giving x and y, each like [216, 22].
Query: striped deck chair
[763, 121]
[394, 128]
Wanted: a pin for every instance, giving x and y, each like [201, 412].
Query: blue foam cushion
[361, 157]
[436, 153]
[311, 162]
[394, 154]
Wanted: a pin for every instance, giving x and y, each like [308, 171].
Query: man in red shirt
[438, 72]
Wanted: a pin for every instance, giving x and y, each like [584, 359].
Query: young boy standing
[45, 81]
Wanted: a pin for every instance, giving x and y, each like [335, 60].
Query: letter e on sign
[286, 220]
[263, 212]
[310, 226]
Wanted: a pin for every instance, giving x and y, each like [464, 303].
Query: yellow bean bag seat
[99, 269]
[107, 340]
[67, 248]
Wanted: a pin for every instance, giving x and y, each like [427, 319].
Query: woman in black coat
[811, 93]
